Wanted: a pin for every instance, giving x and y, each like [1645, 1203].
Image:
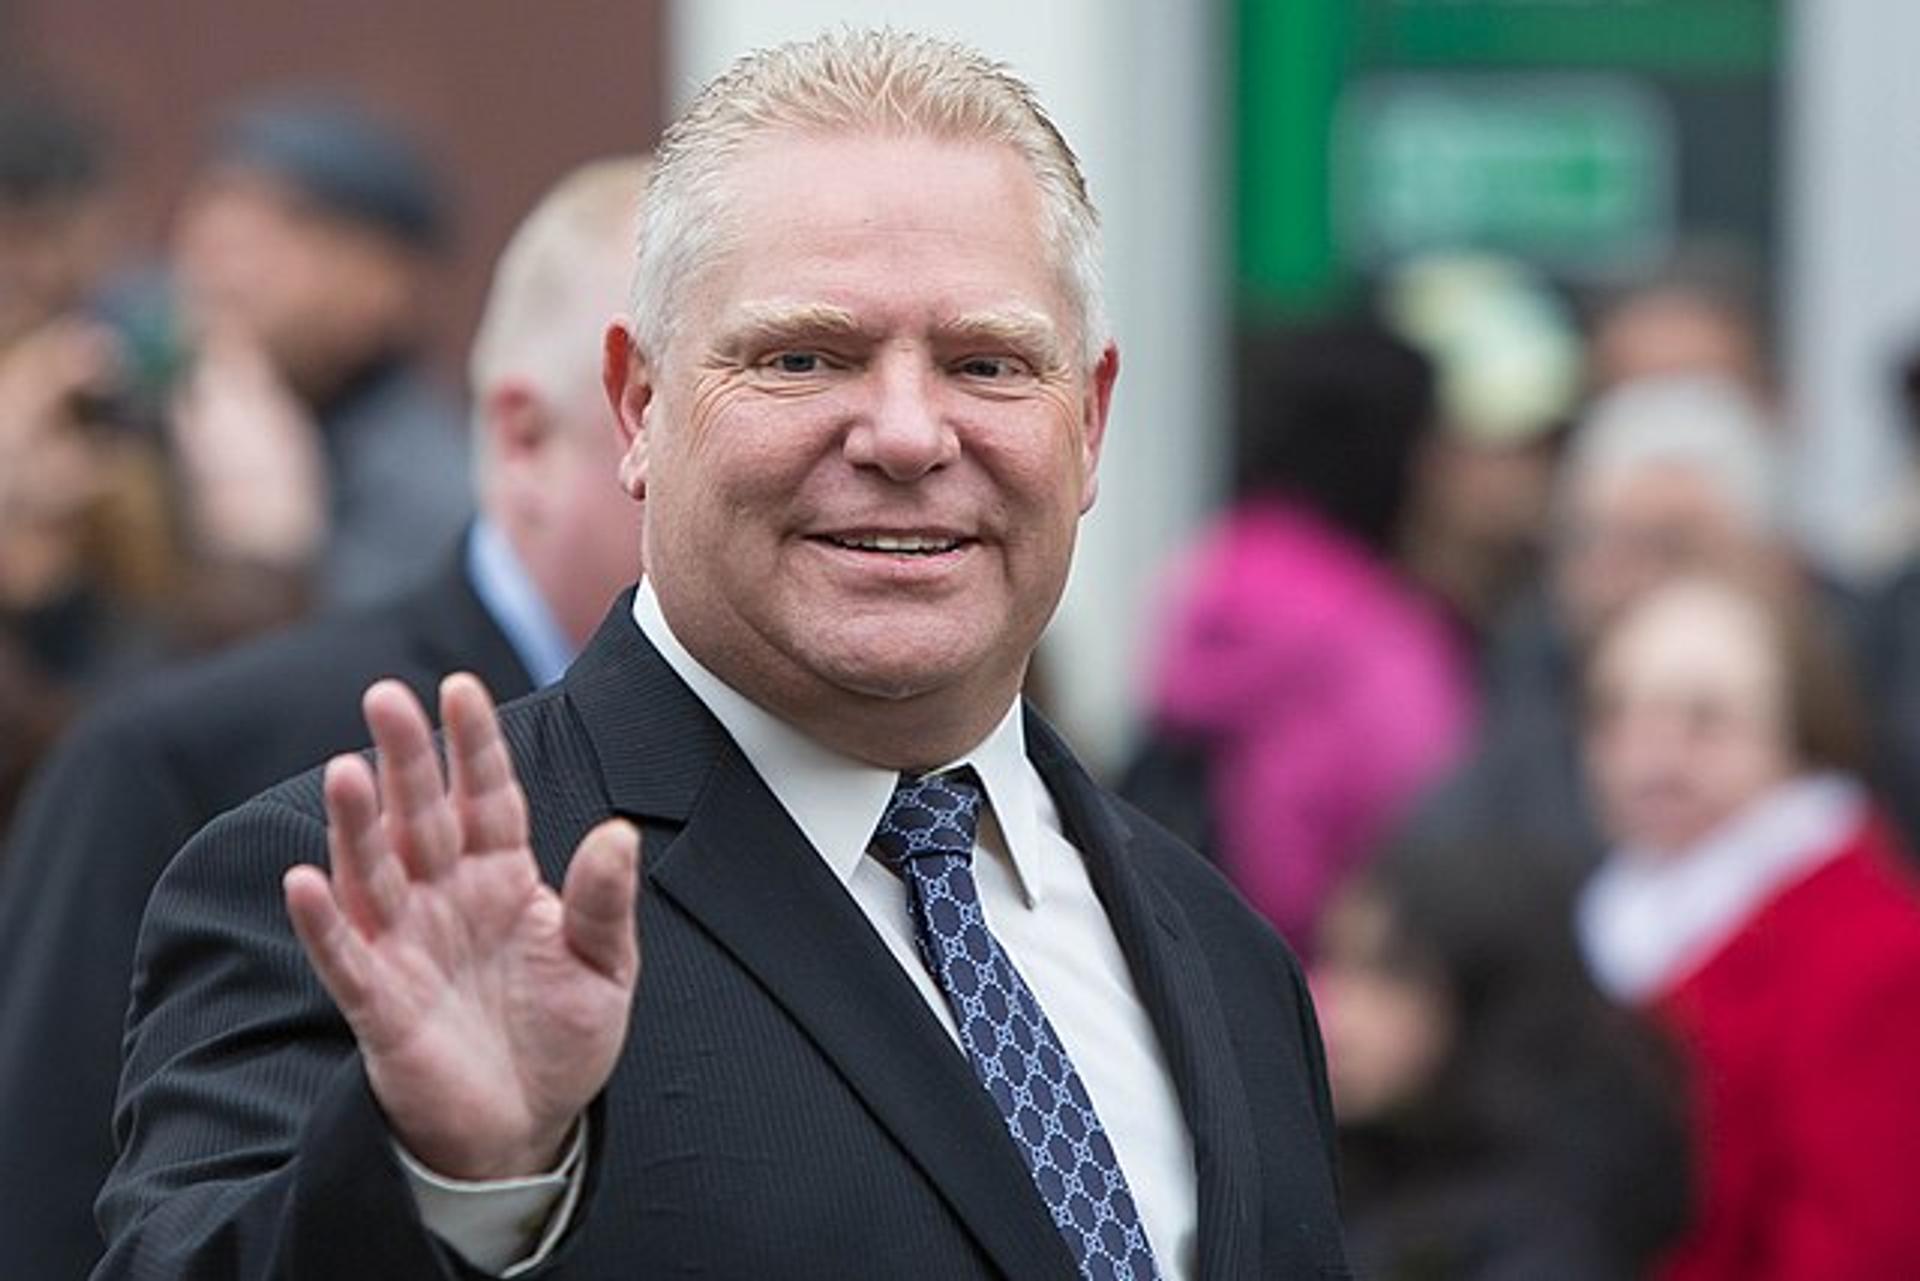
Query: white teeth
[898, 543]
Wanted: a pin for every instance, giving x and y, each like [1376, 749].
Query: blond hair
[558, 281]
[843, 82]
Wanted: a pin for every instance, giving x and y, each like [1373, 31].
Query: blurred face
[1629, 531]
[51, 254]
[1688, 720]
[1663, 334]
[1387, 1026]
[867, 450]
[317, 292]
[590, 541]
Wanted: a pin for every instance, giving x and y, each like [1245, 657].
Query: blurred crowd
[232, 496]
[1505, 689]
[204, 443]
[1502, 686]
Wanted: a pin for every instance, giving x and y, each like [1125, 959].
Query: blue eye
[797, 362]
[995, 368]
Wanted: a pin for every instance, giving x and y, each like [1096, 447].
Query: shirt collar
[509, 595]
[836, 800]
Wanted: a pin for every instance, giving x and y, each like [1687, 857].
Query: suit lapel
[1177, 987]
[742, 870]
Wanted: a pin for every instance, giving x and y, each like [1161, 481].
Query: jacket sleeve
[250, 1143]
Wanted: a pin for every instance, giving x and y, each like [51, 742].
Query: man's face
[867, 449]
[1687, 722]
[316, 291]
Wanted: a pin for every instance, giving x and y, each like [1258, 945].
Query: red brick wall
[507, 95]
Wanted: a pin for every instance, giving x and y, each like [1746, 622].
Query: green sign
[1692, 36]
[1573, 171]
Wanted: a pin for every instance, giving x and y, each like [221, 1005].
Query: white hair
[1706, 426]
[557, 283]
[847, 82]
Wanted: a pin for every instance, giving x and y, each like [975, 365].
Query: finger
[336, 952]
[368, 880]
[491, 808]
[420, 823]
[598, 898]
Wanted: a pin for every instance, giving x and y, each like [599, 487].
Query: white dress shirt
[1038, 901]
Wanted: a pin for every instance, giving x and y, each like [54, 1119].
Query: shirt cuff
[503, 1227]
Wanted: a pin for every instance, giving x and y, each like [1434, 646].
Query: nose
[902, 431]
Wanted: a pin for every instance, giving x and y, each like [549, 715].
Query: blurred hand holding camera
[249, 455]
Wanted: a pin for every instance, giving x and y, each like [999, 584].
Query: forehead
[1694, 643]
[872, 222]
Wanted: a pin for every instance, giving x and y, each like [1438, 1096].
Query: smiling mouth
[896, 544]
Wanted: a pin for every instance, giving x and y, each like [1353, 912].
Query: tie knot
[929, 814]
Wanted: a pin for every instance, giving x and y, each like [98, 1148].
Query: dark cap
[343, 158]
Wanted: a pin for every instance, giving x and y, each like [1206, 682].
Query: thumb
[598, 899]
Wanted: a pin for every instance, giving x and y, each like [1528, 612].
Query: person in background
[58, 225]
[1507, 355]
[1498, 1119]
[1753, 902]
[1688, 321]
[1660, 477]
[556, 539]
[1320, 687]
[85, 551]
[310, 445]
[1888, 634]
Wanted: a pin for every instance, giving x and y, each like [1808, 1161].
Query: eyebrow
[761, 323]
[1027, 330]
[1023, 328]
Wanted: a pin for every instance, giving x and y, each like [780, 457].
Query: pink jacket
[1329, 692]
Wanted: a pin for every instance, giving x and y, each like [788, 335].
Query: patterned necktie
[926, 837]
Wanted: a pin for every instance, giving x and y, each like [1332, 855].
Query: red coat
[1802, 1036]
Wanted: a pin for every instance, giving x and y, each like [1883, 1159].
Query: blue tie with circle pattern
[926, 837]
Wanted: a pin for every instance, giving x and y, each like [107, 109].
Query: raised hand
[489, 1009]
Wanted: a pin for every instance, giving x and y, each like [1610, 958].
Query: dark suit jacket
[121, 795]
[786, 1105]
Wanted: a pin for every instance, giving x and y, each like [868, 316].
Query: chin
[887, 669]
[907, 651]
[889, 680]
[1669, 838]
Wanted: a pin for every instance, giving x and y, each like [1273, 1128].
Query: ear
[1093, 425]
[628, 379]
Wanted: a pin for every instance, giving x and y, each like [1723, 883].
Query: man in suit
[555, 543]
[920, 999]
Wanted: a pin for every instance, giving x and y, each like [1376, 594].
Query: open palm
[489, 1009]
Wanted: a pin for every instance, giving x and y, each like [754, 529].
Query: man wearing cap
[920, 999]
[303, 251]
